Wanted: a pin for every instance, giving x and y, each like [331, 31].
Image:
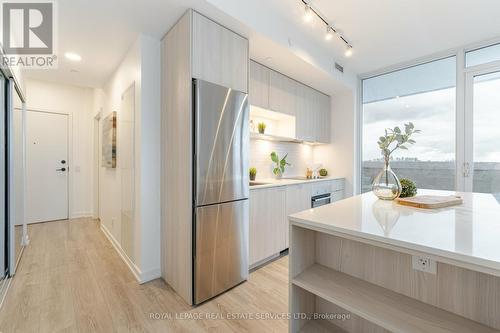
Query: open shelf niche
[279, 126]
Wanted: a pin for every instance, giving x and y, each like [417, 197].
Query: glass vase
[386, 185]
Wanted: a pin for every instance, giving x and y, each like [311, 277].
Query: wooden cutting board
[431, 201]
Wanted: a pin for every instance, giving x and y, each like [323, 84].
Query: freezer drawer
[222, 143]
[221, 248]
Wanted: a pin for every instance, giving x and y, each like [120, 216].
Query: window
[425, 95]
[482, 55]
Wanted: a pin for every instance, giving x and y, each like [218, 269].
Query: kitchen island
[367, 265]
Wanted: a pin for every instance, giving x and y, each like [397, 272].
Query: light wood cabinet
[276, 92]
[269, 211]
[267, 223]
[282, 93]
[216, 47]
[194, 47]
[324, 116]
[298, 198]
[304, 119]
[259, 85]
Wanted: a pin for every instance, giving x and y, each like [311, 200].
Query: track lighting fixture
[310, 12]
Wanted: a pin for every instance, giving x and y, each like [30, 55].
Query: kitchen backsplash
[300, 156]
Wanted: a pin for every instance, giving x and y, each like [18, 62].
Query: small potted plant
[279, 169]
[408, 188]
[262, 128]
[253, 173]
[323, 172]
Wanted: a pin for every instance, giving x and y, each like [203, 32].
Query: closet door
[4, 228]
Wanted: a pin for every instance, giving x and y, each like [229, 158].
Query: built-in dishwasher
[321, 199]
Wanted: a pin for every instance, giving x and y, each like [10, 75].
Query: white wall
[77, 102]
[300, 156]
[141, 67]
[340, 157]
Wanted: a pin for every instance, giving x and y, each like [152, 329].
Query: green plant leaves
[280, 163]
[274, 157]
[401, 140]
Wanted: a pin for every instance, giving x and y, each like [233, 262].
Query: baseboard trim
[4, 290]
[77, 215]
[150, 275]
[133, 268]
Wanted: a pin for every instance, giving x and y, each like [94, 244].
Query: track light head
[348, 51]
[329, 33]
[308, 13]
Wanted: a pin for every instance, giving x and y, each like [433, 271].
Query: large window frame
[463, 146]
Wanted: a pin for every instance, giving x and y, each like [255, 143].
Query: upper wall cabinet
[258, 91]
[216, 48]
[274, 91]
[282, 93]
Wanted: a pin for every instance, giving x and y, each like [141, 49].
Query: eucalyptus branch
[402, 139]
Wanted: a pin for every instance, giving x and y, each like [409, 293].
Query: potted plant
[253, 173]
[262, 128]
[279, 169]
[386, 184]
[408, 188]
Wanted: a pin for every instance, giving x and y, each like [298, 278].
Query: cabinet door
[282, 93]
[315, 101]
[304, 114]
[298, 198]
[220, 56]
[259, 85]
[337, 195]
[324, 128]
[267, 221]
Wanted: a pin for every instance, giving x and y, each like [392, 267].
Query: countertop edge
[480, 264]
[288, 182]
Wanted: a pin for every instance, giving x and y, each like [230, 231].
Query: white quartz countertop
[272, 182]
[468, 233]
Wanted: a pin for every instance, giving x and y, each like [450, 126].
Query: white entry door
[46, 166]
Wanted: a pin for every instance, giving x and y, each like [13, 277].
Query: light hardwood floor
[70, 279]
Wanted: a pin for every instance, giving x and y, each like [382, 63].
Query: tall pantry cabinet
[195, 47]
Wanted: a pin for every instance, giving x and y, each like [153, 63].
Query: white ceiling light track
[310, 13]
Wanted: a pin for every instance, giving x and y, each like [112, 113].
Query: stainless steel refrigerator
[221, 189]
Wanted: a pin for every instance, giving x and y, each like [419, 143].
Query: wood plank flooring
[70, 279]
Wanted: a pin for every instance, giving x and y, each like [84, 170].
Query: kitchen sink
[255, 183]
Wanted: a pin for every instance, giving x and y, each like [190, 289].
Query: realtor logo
[29, 31]
[28, 27]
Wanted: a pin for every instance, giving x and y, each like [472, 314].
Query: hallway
[71, 279]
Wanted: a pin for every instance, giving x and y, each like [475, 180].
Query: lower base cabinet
[298, 198]
[267, 223]
[269, 210]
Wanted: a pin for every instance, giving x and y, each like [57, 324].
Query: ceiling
[388, 32]
[383, 32]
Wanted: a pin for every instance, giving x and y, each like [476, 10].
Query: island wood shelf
[321, 326]
[383, 307]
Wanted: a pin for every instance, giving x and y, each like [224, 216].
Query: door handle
[62, 169]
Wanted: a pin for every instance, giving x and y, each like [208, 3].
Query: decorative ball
[323, 172]
[409, 189]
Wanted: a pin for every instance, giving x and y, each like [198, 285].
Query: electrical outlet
[424, 264]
